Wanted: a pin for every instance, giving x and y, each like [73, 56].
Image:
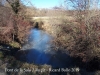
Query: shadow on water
[40, 52]
[55, 60]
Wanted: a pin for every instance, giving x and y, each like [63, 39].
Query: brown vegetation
[79, 37]
[13, 27]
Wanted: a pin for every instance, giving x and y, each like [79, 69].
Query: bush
[13, 27]
[81, 40]
[5, 24]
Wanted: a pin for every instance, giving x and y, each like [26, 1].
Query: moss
[14, 44]
[1, 55]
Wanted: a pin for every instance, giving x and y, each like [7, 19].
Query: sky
[45, 3]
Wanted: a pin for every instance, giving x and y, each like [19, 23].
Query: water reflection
[40, 52]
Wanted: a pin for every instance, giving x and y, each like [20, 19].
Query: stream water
[40, 52]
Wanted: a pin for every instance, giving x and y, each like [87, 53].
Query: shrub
[81, 40]
[13, 27]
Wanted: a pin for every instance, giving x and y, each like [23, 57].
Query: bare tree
[2, 2]
[87, 16]
[15, 4]
[12, 25]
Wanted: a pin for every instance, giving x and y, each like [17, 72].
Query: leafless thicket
[13, 26]
[81, 39]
